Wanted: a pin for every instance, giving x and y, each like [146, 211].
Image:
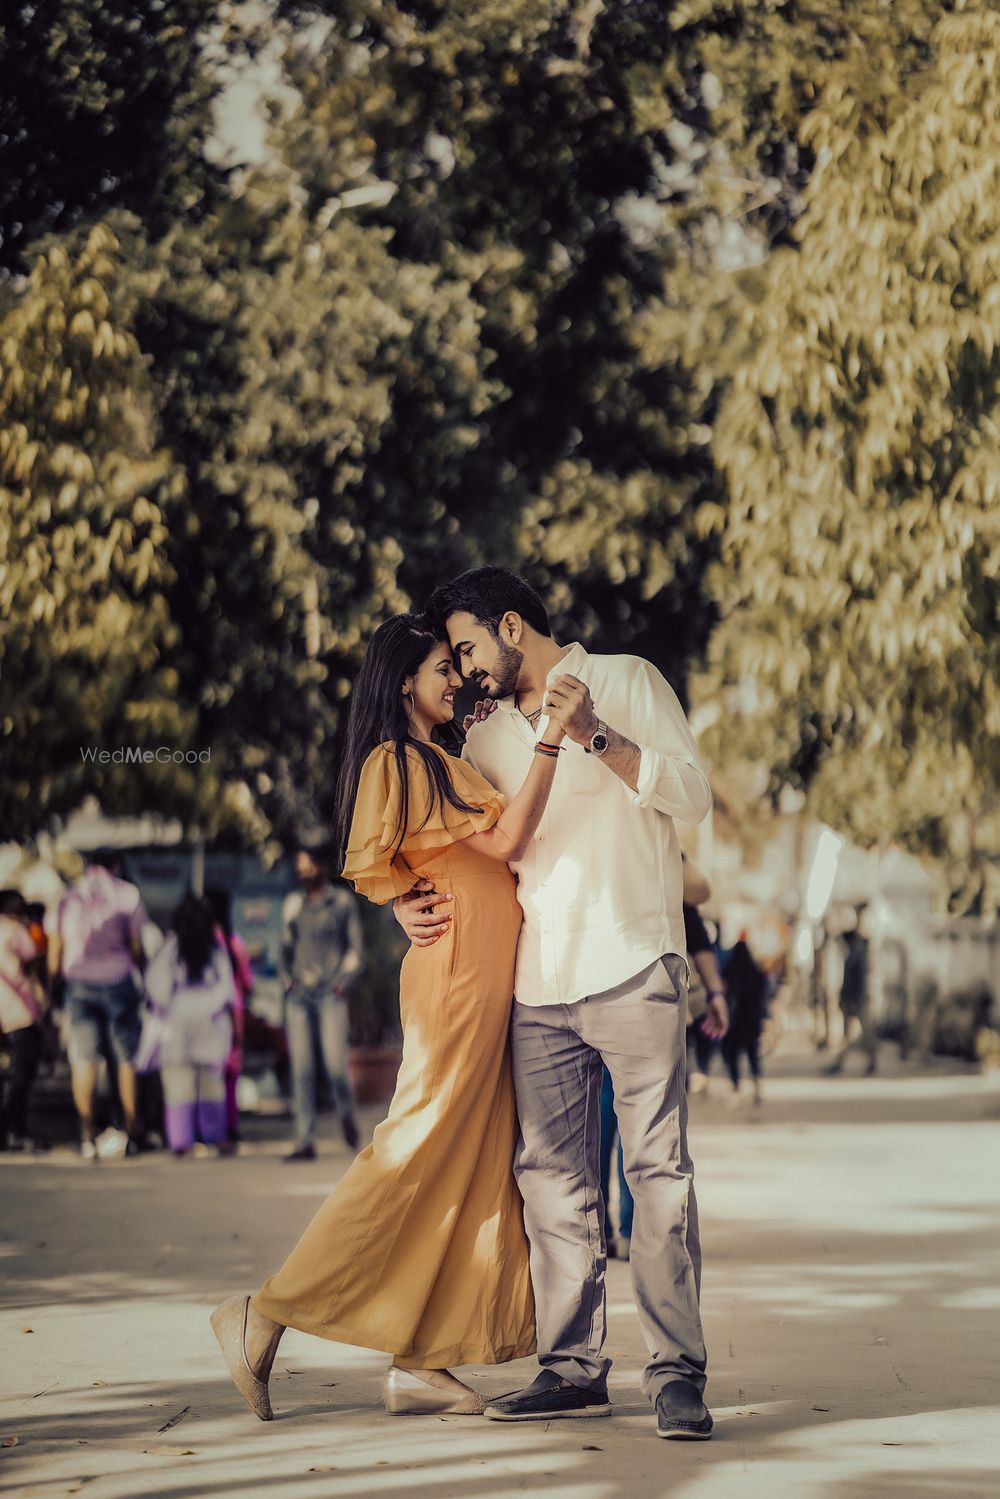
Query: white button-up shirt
[601, 883]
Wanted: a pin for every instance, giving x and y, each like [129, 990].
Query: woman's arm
[509, 837]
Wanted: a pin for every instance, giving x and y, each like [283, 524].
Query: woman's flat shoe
[229, 1323]
[406, 1394]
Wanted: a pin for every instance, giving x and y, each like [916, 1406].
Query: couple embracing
[542, 861]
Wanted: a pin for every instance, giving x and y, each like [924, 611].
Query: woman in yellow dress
[420, 1250]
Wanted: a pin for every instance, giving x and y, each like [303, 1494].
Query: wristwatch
[599, 740]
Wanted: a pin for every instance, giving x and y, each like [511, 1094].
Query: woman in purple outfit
[190, 984]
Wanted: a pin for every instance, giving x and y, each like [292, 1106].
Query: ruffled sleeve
[371, 865]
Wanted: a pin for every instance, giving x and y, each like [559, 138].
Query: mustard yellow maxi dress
[420, 1250]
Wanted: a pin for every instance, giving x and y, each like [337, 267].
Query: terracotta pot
[372, 1072]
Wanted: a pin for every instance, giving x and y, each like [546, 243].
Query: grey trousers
[638, 1029]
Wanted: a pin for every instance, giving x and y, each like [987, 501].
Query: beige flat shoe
[406, 1394]
[229, 1323]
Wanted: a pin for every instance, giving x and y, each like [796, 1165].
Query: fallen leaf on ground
[173, 1420]
[329, 1469]
[10, 1441]
[99, 1384]
[821, 1407]
[171, 1452]
[591, 1449]
[27, 1329]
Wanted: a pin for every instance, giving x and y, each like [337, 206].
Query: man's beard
[506, 670]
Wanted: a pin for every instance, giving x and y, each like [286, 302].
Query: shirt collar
[572, 659]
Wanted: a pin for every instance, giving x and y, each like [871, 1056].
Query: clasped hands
[566, 702]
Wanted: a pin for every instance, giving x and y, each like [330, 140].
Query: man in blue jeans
[322, 954]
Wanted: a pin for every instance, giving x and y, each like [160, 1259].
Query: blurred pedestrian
[747, 987]
[21, 1009]
[859, 1027]
[95, 944]
[322, 955]
[708, 1011]
[222, 906]
[190, 985]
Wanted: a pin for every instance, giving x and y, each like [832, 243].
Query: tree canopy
[859, 575]
[683, 310]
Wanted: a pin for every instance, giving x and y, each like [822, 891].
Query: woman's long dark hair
[194, 924]
[377, 716]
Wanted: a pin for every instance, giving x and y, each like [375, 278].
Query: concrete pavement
[851, 1296]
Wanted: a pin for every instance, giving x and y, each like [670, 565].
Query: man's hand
[417, 914]
[568, 703]
[715, 1021]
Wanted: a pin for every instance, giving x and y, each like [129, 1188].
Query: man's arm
[290, 907]
[696, 886]
[55, 951]
[353, 958]
[715, 1022]
[663, 771]
[136, 923]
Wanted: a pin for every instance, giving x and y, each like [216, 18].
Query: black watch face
[599, 743]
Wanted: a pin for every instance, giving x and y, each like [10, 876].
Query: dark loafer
[681, 1414]
[548, 1399]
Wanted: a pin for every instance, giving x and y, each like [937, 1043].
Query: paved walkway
[852, 1239]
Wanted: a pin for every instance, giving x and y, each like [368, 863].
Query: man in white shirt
[600, 976]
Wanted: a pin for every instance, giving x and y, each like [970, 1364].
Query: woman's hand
[552, 731]
[480, 713]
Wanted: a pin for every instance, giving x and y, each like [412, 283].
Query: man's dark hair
[487, 593]
[318, 844]
[11, 903]
[108, 858]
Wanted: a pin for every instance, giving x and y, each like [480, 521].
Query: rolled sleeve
[671, 778]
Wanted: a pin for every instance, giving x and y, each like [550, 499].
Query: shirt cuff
[671, 785]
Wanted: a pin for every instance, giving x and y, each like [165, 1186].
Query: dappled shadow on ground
[851, 1285]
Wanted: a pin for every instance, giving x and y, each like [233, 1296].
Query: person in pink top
[95, 943]
[20, 1020]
